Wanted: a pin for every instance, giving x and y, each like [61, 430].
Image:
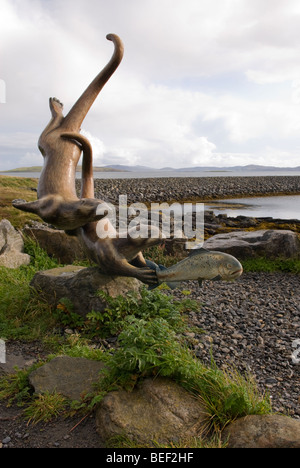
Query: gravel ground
[251, 324]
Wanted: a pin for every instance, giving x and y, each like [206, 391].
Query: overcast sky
[202, 82]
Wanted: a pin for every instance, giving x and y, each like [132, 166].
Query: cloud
[201, 82]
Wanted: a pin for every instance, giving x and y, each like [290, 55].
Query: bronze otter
[61, 145]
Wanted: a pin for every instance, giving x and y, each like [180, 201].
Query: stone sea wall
[192, 188]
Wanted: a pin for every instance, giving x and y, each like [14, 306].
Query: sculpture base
[80, 285]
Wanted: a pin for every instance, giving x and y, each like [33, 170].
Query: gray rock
[80, 285]
[14, 361]
[157, 410]
[249, 244]
[66, 249]
[6, 440]
[263, 431]
[11, 247]
[69, 376]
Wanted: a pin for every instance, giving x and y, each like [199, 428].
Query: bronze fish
[201, 264]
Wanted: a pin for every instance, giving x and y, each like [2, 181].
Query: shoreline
[178, 190]
[194, 188]
[185, 189]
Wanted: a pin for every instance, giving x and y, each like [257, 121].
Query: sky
[202, 82]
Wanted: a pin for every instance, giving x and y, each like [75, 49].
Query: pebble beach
[251, 325]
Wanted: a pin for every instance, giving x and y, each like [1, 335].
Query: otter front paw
[147, 276]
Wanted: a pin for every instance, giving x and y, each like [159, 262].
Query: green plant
[65, 314]
[15, 387]
[158, 254]
[44, 407]
[110, 320]
[151, 342]
[124, 442]
[152, 347]
[23, 313]
[77, 346]
[40, 260]
[149, 347]
[263, 264]
[227, 395]
[151, 304]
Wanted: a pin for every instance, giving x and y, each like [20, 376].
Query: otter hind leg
[129, 260]
[56, 107]
[66, 215]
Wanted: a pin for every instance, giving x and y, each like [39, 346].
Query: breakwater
[195, 188]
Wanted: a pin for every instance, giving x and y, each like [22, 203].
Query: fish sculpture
[201, 264]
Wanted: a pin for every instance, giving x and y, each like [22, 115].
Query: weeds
[151, 304]
[23, 314]
[44, 407]
[267, 265]
[15, 387]
[150, 331]
[153, 348]
[123, 442]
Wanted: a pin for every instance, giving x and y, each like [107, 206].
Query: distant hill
[25, 169]
[120, 167]
[124, 168]
[248, 168]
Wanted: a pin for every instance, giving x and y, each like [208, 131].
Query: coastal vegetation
[153, 336]
[12, 188]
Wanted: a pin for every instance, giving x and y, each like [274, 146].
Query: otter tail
[74, 118]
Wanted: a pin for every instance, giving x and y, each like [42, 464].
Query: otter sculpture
[61, 145]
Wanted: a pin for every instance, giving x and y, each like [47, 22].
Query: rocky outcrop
[156, 410]
[80, 286]
[249, 244]
[66, 249]
[11, 247]
[263, 431]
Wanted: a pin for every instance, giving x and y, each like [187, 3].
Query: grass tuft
[45, 407]
[263, 264]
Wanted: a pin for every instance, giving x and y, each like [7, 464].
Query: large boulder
[81, 286]
[71, 377]
[11, 247]
[263, 431]
[156, 410]
[249, 244]
[66, 249]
